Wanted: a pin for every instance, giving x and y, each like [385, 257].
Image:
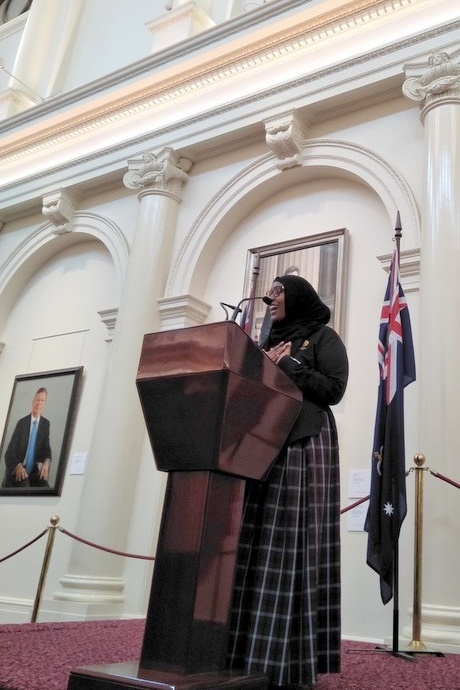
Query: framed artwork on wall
[321, 259]
[33, 456]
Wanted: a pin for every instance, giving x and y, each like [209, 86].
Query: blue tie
[31, 449]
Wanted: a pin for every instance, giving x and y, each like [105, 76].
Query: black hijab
[305, 313]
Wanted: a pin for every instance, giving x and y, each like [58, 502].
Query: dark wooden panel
[187, 622]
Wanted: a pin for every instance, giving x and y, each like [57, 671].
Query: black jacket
[320, 369]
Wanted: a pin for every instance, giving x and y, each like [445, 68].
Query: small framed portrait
[320, 259]
[37, 433]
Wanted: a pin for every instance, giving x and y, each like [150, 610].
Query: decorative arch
[320, 156]
[42, 244]
[111, 236]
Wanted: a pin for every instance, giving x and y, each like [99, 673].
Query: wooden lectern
[217, 412]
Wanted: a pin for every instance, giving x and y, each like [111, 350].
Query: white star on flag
[388, 509]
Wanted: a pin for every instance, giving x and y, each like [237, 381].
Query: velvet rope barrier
[354, 505]
[47, 557]
[444, 479]
[83, 541]
[438, 475]
[104, 548]
[5, 558]
[419, 460]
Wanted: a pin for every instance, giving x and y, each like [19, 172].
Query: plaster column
[94, 584]
[436, 85]
[38, 61]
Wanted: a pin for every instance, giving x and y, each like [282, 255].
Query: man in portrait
[28, 455]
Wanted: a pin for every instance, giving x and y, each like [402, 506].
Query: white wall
[54, 325]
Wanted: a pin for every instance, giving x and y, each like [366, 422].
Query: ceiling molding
[254, 54]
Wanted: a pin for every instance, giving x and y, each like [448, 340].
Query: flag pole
[398, 234]
[387, 504]
[395, 642]
[395, 645]
[247, 317]
[395, 648]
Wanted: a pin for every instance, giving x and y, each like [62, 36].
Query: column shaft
[41, 59]
[438, 345]
[95, 577]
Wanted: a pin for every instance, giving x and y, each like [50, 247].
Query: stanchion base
[132, 676]
[420, 648]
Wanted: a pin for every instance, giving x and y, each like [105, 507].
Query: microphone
[224, 306]
[237, 309]
[268, 300]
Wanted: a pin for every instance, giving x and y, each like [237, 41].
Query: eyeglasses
[275, 291]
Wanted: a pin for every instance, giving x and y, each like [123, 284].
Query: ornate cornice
[261, 50]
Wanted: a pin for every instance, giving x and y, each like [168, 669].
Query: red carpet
[40, 656]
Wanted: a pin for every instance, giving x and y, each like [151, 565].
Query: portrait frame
[320, 258]
[63, 388]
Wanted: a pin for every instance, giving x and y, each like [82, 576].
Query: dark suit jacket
[17, 447]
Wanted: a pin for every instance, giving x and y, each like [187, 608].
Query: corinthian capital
[439, 78]
[162, 173]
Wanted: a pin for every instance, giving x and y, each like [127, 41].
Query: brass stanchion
[416, 645]
[54, 520]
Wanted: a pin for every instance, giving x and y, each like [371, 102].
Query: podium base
[132, 676]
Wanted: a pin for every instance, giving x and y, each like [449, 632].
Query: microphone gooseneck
[224, 306]
[237, 309]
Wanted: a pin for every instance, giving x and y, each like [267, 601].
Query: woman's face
[277, 307]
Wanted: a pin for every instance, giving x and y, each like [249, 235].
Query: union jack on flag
[387, 504]
[391, 330]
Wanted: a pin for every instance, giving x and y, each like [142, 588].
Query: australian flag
[387, 505]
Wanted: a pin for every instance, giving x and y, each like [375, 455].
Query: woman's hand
[279, 351]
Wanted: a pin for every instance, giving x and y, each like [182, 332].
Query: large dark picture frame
[62, 388]
[320, 258]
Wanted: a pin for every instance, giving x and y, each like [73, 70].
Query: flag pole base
[399, 653]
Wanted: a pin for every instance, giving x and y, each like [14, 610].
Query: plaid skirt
[286, 609]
